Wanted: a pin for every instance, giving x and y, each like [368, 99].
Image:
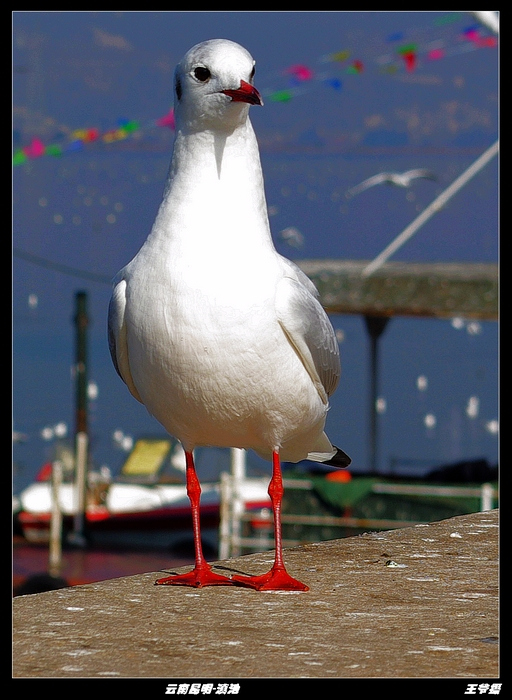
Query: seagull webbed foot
[277, 579]
[197, 578]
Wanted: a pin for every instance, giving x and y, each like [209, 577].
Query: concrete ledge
[419, 602]
[441, 290]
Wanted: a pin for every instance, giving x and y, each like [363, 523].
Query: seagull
[491, 20]
[292, 236]
[219, 336]
[399, 179]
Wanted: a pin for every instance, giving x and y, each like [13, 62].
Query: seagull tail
[337, 458]
[340, 460]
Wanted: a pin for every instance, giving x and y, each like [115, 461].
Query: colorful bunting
[167, 120]
[390, 69]
[53, 150]
[356, 67]
[435, 54]
[19, 158]
[126, 128]
[74, 146]
[339, 56]
[85, 135]
[396, 36]
[79, 137]
[334, 83]
[408, 48]
[35, 150]
[405, 56]
[408, 53]
[300, 72]
[472, 34]
[447, 19]
[281, 96]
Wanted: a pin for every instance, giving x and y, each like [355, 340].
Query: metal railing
[233, 513]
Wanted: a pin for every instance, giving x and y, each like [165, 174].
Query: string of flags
[403, 56]
[80, 137]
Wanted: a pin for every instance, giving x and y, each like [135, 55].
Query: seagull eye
[252, 73]
[202, 74]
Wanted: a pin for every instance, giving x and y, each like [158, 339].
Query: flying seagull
[399, 179]
[220, 337]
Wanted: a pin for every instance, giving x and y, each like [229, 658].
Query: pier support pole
[375, 326]
[77, 537]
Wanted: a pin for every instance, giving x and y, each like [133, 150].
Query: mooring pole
[375, 326]
[55, 553]
[81, 431]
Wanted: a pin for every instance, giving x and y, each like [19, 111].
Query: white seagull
[399, 179]
[220, 337]
[491, 20]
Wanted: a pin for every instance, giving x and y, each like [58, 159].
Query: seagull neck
[215, 155]
[215, 183]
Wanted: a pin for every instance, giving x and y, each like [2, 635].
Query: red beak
[245, 93]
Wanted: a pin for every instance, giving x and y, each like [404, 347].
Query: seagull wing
[419, 172]
[292, 270]
[117, 334]
[308, 329]
[370, 182]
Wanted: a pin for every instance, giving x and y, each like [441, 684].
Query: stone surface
[419, 602]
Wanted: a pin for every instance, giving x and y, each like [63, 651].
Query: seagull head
[213, 85]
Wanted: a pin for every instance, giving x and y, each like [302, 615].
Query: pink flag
[300, 72]
[167, 120]
[35, 150]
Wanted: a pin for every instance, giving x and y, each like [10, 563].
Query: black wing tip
[341, 460]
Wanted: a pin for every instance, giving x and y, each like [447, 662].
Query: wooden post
[55, 554]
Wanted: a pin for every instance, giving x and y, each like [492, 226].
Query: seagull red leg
[277, 579]
[202, 574]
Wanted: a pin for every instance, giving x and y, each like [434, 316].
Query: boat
[130, 506]
[148, 495]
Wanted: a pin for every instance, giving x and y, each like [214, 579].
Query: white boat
[125, 504]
